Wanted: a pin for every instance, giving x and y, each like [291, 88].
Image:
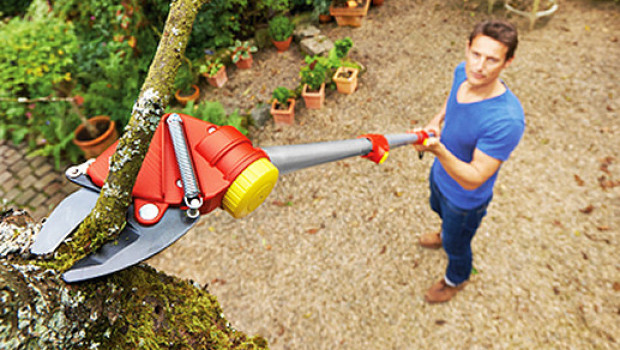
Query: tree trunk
[107, 219]
[137, 308]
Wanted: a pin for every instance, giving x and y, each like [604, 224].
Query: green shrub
[36, 63]
[280, 28]
[282, 94]
[314, 73]
[211, 67]
[321, 7]
[341, 48]
[213, 112]
[12, 8]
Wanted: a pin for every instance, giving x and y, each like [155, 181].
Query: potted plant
[281, 32]
[185, 84]
[215, 72]
[321, 8]
[242, 54]
[313, 78]
[283, 106]
[346, 79]
[349, 12]
[94, 135]
[346, 73]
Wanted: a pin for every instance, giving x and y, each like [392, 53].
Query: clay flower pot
[184, 98]
[346, 79]
[282, 46]
[219, 79]
[325, 18]
[94, 147]
[245, 63]
[283, 116]
[313, 100]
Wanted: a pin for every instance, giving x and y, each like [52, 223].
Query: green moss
[161, 312]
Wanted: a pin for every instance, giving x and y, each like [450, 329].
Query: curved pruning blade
[63, 220]
[135, 243]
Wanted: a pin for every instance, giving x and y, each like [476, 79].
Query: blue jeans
[458, 227]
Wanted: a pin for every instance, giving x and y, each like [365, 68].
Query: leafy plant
[36, 65]
[314, 73]
[213, 112]
[280, 28]
[341, 48]
[211, 67]
[185, 77]
[282, 94]
[321, 7]
[242, 50]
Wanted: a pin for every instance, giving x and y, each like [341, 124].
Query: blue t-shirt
[494, 126]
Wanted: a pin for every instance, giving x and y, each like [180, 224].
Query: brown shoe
[431, 240]
[441, 292]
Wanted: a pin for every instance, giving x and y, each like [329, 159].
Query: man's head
[502, 31]
[489, 50]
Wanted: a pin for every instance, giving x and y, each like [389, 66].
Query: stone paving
[31, 183]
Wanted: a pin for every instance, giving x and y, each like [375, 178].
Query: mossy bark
[137, 308]
[107, 219]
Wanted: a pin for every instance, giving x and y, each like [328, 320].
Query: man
[483, 122]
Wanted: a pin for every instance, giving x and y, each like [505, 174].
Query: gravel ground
[331, 261]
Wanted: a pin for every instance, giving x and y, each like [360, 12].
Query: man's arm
[469, 175]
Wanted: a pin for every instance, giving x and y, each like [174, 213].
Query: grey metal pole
[295, 157]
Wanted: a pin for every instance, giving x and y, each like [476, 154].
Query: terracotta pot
[219, 79]
[94, 147]
[282, 46]
[325, 18]
[244, 63]
[284, 116]
[313, 100]
[183, 99]
[349, 16]
[346, 85]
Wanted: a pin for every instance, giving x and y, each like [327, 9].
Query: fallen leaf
[383, 249]
[557, 223]
[440, 322]
[218, 281]
[312, 231]
[579, 180]
[602, 228]
[617, 286]
[587, 210]
[374, 214]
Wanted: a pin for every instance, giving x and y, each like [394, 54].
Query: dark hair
[502, 31]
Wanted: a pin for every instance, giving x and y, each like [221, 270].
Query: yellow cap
[250, 188]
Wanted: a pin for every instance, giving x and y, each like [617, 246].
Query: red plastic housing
[380, 147]
[219, 154]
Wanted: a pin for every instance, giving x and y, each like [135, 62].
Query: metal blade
[135, 243]
[63, 220]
